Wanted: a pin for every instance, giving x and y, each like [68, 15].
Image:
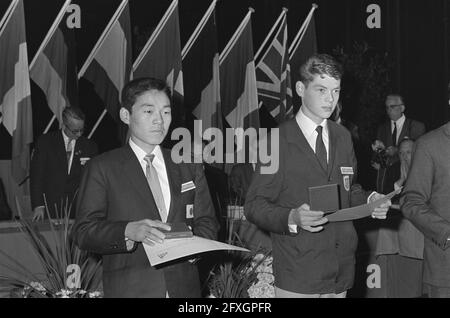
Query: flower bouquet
[68, 271]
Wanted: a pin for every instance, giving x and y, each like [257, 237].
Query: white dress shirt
[160, 167]
[69, 147]
[309, 127]
[400, 122]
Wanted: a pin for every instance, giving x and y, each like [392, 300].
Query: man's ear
[125, 115]
[403, 109]
[300, 88]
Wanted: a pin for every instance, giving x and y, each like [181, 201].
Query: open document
[177, 248]
[361, 211]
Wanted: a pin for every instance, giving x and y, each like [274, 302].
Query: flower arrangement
[382, 156]
[243, 276]
[68, 271]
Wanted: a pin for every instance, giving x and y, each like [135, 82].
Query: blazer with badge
[114, 191]
[412, 129]
[307, 263]
[49, 171]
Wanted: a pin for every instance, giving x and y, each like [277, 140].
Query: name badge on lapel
[189, 211]
[187, 187]
[347, 170]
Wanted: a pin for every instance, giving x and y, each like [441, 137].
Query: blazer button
[337, 245]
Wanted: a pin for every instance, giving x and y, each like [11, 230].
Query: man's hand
[376, 166]
[308, 220]
[381, 211]
[146, 231]
[38, 214]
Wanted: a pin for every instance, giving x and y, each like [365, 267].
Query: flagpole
[51, 31]
[155, 34]
[102, 38]
[282, 15]
[238, 32]
[97, 123]
[300, 33]
[7, 15]
[197, 31]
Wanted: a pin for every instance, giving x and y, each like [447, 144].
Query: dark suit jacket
[49, 171]
[114, 192]
[307, 263]
[426, 202]
[240, 179]
[5, 211]
[411, 128]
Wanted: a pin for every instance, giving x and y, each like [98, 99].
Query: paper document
[361, 211]
[177, 248]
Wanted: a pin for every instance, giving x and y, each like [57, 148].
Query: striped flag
[303, 47]
[15, 99]
[54, 67]
[201, 73]
[273, 73]
[108, 67]
[238, 82]
[161, 56]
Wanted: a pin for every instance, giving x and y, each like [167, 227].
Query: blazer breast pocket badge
[347, 172]
[185, 187]
[189, 211]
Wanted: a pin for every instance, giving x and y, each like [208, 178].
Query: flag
[238, 82]
[54, 67]
[201, 73]
[161, 56]
[303, 49]
[273, 74]
[15, 98]
[108, 67]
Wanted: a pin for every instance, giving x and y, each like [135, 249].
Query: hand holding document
[178, 248]
[361, 211]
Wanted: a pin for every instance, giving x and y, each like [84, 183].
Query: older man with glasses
[57, 164]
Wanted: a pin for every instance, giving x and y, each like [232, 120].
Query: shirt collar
[399, 122]
[141, 154]
[66, 138]
[307, 125]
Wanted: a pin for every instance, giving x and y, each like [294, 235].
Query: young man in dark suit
[310, 257]
[128, 195]
[57, 164]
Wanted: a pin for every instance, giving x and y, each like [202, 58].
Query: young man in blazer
[310, 257]
[57, 164]
[129, 194]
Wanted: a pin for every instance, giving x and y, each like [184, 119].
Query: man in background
[57, 164]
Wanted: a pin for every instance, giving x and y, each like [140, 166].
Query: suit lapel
[295, 136]
[332, 142]
[60, 147]
[132, 170]
[405, 131]
[173, 175]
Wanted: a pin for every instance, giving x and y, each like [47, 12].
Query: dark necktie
[394, 135]
[155, 186]
[321, 151]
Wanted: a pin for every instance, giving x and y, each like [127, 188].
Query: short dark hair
[73, 112]
[139, 86]
[400, 96]
[320, 64]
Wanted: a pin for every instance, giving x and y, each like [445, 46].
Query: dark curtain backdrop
[415, 35]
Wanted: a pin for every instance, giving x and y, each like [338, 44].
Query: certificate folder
[178, 230]
[324, 198]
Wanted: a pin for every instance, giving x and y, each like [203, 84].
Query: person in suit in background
[311, 259]
[398, 127]
[57, 164]
[129, 196]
